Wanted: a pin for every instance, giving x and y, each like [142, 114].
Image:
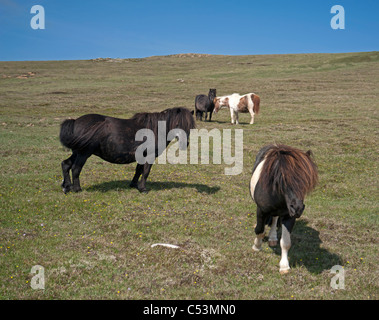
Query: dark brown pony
[205, 104]
[114, 140]
[282, 176]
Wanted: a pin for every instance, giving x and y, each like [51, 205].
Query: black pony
[114, 140]
[281, 178]
[205, 104]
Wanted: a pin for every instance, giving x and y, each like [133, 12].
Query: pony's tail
[256, 101]
[66, 135]
[78, 137]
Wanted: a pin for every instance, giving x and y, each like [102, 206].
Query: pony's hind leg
[259, 231]
[252, 117]
[197, 113]
[232, 116]
[66, 166]
[272, 235]
[76, 169]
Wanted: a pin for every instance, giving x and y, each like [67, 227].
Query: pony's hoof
[66, 189]
[284, 271]
[133, 185]
[273, 243]
[256, 249]
[143, 191]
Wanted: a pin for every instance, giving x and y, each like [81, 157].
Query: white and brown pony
[238, 104]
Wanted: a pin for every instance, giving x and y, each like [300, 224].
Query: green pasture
[97, 244]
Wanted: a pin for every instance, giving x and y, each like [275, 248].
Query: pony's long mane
[174, 117]
[288, 168]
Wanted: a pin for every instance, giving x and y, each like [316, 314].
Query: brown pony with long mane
[282, 177]
[288, 168]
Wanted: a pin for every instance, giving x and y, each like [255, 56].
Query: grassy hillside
[97, 244]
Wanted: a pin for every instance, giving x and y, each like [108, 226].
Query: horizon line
[191, 53]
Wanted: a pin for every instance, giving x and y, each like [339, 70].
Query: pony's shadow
[217, 121]
[306, 250]
[228, 122]
[152, 186]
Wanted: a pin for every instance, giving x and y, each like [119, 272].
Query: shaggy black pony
[281, 178]
[205, 104]
[114, 140]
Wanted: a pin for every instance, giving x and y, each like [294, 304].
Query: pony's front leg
[285, 244]
[257, 246]
[272, 235]
[145, 174]
[259, 231]
[139, 170]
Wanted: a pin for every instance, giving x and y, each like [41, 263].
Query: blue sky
[84, 29]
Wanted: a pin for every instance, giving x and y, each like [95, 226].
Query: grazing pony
[236, 103]
[114, 140]
[205, 104]
[281, 178]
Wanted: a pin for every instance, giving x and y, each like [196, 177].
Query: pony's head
[176, 122]
[179, 118]
[290, 173]
[212, 94]
[220, 102]
[295, 205]
[179, 121]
